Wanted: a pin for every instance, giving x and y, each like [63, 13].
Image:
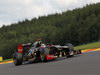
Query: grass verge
[88, 46]
[6, 60]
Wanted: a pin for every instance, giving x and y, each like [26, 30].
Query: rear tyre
[17, 58]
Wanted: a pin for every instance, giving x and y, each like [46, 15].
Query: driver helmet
[43, 45]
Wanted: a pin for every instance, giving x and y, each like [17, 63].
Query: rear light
[20, 50]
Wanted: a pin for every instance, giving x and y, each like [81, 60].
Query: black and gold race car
[25, 52]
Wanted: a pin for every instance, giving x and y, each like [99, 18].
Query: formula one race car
[43, 53]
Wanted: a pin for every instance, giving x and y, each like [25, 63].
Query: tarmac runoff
[83, 51]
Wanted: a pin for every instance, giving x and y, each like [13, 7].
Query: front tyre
[43, 57]
[43, 53]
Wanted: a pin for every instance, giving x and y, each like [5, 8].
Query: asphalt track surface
[85, 64]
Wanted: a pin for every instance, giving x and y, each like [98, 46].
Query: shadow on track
[50, 61]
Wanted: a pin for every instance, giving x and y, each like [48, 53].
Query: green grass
[6, 60]
[88, 46]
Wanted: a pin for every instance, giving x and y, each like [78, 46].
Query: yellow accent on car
[1, 58]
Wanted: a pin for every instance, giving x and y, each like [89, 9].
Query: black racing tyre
[17, 58]
[43, 57]
[43, 53]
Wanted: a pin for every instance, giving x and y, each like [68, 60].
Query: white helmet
[43, 45]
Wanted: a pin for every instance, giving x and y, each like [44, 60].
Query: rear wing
[23, 47]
